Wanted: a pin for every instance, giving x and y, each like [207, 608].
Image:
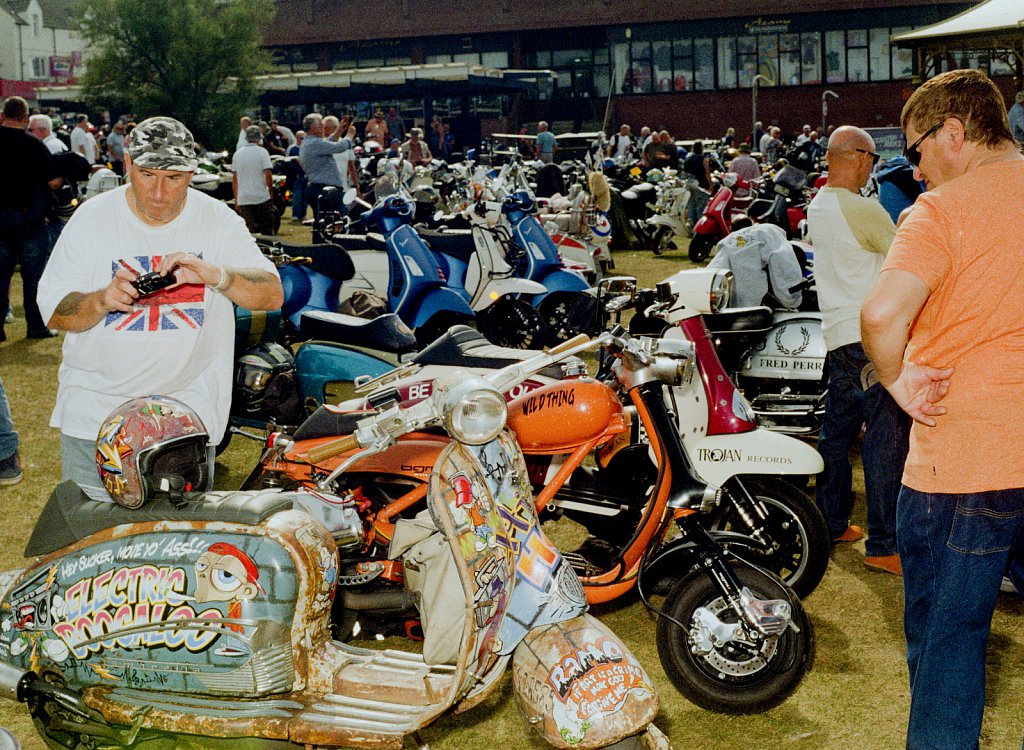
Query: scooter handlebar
[567, 345]
[332, 448]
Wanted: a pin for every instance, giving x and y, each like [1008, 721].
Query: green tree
[189, 59]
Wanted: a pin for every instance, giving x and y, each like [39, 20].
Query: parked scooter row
[719, 652]
[204, 620]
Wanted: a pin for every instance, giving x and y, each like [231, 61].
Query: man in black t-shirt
[696, 168]
[24, 199]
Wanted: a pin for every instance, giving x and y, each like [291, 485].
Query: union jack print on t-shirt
[177, 307]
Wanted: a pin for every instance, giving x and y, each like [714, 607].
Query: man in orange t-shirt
[942, 325]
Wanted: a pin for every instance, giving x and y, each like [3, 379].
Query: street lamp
[824, 107]
[753, 106]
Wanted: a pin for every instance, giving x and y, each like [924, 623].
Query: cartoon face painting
[226, 574]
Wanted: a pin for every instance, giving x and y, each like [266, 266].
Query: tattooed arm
[251, 288]
[80, 311]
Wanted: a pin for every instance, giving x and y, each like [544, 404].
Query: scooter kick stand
[415, 737]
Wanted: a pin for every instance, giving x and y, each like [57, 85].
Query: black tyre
[700, 247]
[664, 240]
[224, 442]
[798, 536]
[437, 325]
[512, 323]
[567, 314]
[739, 675]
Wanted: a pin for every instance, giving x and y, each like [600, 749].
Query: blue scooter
[401, 267]
[273, 386]
[568, 307]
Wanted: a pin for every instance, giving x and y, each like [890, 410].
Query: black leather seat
[740, 320]
[461, 346]
[330, 260]
[385, 332]
[458, 243]
[70, 515]
[329, 422]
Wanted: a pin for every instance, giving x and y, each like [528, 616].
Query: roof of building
[56, 13]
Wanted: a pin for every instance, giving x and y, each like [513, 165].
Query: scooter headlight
[474, 411]
[721, 290]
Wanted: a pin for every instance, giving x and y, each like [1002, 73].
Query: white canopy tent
[991, 25]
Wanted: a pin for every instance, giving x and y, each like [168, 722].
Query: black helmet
[265, 384]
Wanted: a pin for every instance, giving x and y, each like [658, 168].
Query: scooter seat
[327, 421]
[70, 515]
[739, 320]
[461, 346]
[385, 332]
[458, 243]
[330, 260]
[370, 241]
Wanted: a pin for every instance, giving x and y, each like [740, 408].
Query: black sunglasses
[874, 157]
[911, 152]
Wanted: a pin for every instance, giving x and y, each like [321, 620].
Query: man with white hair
[41, 126]
[547, 147]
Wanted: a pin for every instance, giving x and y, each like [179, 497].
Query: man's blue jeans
[883, 453]
[299, 198]
[26, 242]
[695, 208]
[954, 550]
[8, 435]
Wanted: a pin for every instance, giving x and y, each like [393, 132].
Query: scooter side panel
[320, 363]
[439, 300]
[205, 608]
[719, 457]
[794, 349]
[580, 686]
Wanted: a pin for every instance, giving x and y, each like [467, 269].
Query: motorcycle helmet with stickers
[151, 445]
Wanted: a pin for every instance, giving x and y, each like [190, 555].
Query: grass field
[855, 697]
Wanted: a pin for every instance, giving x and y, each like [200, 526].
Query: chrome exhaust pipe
[14, 681]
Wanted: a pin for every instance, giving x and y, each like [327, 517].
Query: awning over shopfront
[354, 84]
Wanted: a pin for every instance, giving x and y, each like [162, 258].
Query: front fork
[751, 512]
[765, 616]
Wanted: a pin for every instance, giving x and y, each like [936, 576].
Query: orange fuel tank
[564, 415]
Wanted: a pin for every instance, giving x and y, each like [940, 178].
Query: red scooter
[787, 209]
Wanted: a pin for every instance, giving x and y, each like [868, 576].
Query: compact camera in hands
[148, 283]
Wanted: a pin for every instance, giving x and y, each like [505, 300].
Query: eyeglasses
[912, 153]
[874, 157]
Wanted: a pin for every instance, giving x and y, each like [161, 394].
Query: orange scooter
[719, 642]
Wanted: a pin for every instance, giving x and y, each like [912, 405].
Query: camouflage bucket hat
[163, 143]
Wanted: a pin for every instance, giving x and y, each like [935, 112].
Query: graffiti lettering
[550, 400]
[127, 598]
[573, 669]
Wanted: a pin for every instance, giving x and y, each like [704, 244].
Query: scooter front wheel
[723, 668]
[512, 323]
[700, 247]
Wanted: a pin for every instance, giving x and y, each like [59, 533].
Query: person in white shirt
[82, 140]
[176, 341]
[243, 124]
[618, 147]
[345, 158]
[41, 126]
[252, 181]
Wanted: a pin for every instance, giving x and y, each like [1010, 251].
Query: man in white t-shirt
[82, 140]
[618, 147]
[41, 126]
[177, 341]
[252, 180]
[851, 235]
[344, 159]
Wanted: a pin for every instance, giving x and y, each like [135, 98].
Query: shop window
[704, 64]
[662, 59]
[835, 56]
[682, 65]
[857, 55]
[768, 57]
[727, 67]
[902, 59]
[810, 58]
[602, 80]
[789, 60]
[497, 59]
[879, 54]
